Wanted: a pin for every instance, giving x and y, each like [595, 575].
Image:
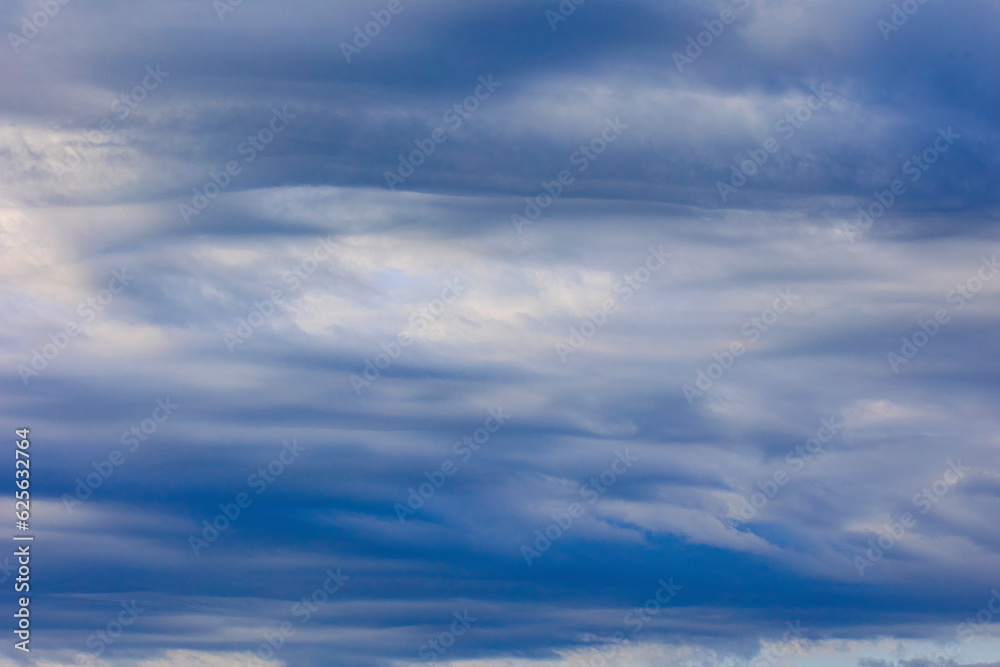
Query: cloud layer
[507, 317]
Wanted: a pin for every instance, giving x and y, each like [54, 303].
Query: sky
[513, 333]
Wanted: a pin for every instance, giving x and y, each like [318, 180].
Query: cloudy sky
[510, 333]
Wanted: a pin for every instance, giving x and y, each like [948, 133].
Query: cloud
[322, 273]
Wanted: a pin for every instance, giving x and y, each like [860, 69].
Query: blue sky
[505, 334]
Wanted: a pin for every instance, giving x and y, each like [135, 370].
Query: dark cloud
[362, 268]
